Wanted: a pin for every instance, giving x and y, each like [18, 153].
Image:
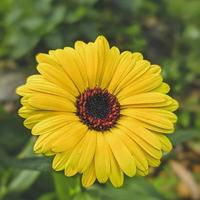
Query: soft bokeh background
[167, 32]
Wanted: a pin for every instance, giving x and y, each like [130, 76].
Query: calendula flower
[101, 112]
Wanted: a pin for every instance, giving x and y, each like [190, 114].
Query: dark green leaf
[21, 182]
[48, 196]
[35, 163]
[181, 136]
[66, 187]
[139, 188]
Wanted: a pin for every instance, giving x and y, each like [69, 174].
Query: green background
[167, 32]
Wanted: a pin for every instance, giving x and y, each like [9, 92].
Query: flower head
[99, 112]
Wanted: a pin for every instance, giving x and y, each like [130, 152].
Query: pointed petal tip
[38, 57]
[103, 39]
[19, 90]
[41, 57]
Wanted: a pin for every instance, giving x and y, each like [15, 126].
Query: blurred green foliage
[166, 31]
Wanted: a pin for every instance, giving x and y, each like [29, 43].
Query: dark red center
[98, 109]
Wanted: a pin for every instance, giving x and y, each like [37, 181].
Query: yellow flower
[101, 113]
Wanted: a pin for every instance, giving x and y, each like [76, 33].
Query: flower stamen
[98, 109]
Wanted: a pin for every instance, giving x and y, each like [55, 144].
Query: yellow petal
[102, 159]
[145, 85]
[23, 90]
[72, 136]
[24, 101]
[58, 77]
[121, 153]
[142, 143]
[123, 67]
[46, 87]
[80, 64]
[72, 65]
[163, 88]
[103, 48]
[53, 136]
[79, 159]
[33, 119]
[141, 132]
[137, 56]
[154, 69]
[89, 56]
[110, 63]
[80, 53]
[142, 173]
[51, 102]
[45, 58]
[35, 78]
[149, 99]
[173, 106]
[71, 167]
[67, 59]
[137, 153]
[138, 69]
[39, 144]
[149, 116]
[165, 142]
[89, 148]
[60, 160]
[155, 128]
[161, 113]
[50, 68]
[52, 123]
[89, 177]
[26, 112]
[116, 174]
[153, 162]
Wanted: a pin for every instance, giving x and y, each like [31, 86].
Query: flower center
[98, 109]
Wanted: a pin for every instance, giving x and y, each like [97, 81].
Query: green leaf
[48, 196]
[181, 136]
[23, 181]
[66, 187]
[86, 196]
[139, 188]
[35, 163]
